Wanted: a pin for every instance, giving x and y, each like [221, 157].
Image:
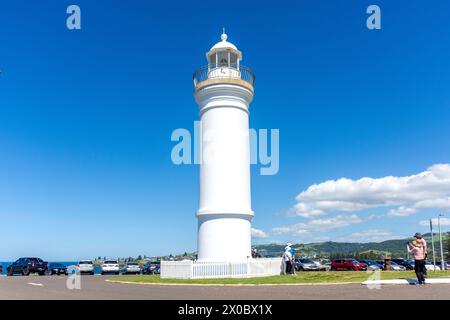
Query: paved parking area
[95, 287]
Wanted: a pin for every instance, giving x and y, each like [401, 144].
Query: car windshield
[110, 262]
[306, 261]
[85, 262]
[132, 264]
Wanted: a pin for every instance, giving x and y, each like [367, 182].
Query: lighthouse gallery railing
[214, 71]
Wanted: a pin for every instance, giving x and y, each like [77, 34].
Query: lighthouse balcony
[229, 74]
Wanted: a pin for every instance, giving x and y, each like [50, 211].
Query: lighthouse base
[224, 237]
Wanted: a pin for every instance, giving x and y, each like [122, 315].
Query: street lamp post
[440, 241]
[432, 244]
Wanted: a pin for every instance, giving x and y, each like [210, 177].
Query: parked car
[409, 264]
[446, 266]
[306, 265]
[372, 264]
[431, 267]
[152, 267]
[396, 267]
[325, 266]
[25, 266]
[86, 266]
[131, 267]
[404, 263]
[381, 263]
[110, 266]
[322, 267]
[347, 264]
[57, 268]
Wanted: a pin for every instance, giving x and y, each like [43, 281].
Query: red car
[348, 264]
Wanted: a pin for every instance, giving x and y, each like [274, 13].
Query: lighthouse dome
[224, 44]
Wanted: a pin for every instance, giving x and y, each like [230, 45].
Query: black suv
[152, 267]
[25, 266]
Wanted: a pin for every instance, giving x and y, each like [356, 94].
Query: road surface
[95, 287]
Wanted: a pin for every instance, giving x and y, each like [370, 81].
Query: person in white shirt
[287, 259]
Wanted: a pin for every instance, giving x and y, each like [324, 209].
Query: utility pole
[440, 240]
[432, 244]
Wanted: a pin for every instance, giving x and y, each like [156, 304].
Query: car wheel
[41, 273]
[351, 269]
[26, 271]
[117, 273]
[333, 269]
[9, 272]
[91, 273]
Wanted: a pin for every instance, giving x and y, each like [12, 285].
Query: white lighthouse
[223, 92]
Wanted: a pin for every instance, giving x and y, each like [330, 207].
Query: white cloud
[256, 233]
[318, 225]
[444, 222]
[402, 212]
[373, 235]
[441, 203]
[428, 189]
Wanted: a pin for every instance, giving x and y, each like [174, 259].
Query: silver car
[86, 266]
[131, 267]
[306, 265]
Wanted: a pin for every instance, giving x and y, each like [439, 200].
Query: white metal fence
[209, 270]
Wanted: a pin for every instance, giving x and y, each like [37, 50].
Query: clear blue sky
[86, 116]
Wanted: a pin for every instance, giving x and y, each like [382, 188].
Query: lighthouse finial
[224, 35]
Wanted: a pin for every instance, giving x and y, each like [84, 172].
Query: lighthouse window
[212, 60]
[233, 60]
[223, 59]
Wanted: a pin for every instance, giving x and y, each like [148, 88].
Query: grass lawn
[301, 277]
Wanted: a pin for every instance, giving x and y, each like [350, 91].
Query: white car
[430, 266]
[305, 265]
[86, 266]
[131, 267]
[397, 267]
[110, 266]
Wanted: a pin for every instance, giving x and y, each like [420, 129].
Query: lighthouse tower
[223, 91]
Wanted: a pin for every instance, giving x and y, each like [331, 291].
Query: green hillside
[393, 248]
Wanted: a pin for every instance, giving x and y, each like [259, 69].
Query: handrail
[214, 71]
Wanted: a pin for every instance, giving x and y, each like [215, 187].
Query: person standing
[417, 249]
[287, 259]
[293, 260]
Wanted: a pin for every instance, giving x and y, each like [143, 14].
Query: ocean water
[66, 263]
